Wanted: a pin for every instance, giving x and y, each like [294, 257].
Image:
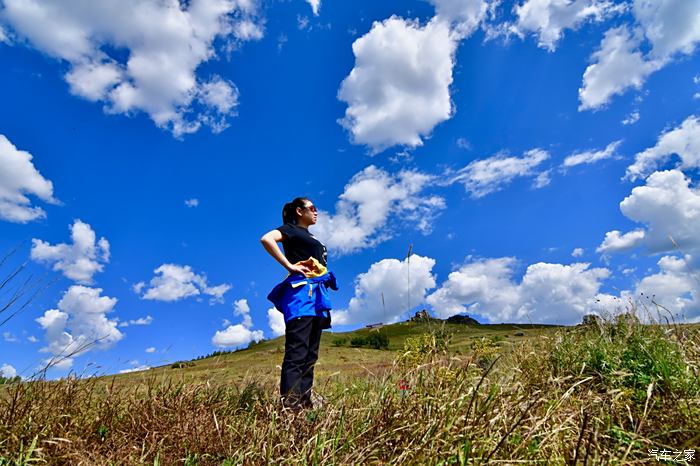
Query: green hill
[338, 357]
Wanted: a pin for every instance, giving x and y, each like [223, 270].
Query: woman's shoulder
[288, 229]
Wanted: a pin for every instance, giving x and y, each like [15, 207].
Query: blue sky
[536, 154]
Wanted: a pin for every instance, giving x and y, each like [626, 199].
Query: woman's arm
[269, 241]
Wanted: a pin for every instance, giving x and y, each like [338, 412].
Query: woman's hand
[293, 268]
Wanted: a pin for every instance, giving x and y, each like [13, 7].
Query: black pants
[302, 338]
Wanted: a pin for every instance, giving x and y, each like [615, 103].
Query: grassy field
[439, 394]
[262, 361]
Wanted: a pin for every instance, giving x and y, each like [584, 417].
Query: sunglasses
[312, 208]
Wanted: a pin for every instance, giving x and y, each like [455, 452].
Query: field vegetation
[436, 394]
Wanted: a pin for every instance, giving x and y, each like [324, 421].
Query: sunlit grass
[443, 395]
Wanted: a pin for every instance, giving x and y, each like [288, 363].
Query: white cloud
[542, 180]
[549, 18]
[670, 25]
[398, 90]
[194, 202]
[464, 16]
[135, 369]
[8, 371]
[241, 308]
[559, 293]
[174, 282]
[235, 336]
[159, 46]
[369, 201]
[482, 177]
[486, 280]
[615, 241]
[59, 363]
[150, 349]
[79, 324]
[54, 323]
[78, 261]
[588, 157]
[148, 320]
[683, 141]
[3, 36]
[631, 119]
[463, 143]
[275, 320]
[32, 339]
[18, 179]
[670, 28]
[617, 66]
[390, 278]
[547, 293]
[217, 292]
[669, 207]
[302, 22]
[92, 80]
[577, 252]
[138, 287]
[9, 337]
[315, 5]
[675, 287]
[246, 30]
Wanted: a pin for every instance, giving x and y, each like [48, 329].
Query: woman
[305, 311]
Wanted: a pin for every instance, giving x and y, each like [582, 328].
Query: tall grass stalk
[588, 395]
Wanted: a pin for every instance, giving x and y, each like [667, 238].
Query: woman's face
[308, 214]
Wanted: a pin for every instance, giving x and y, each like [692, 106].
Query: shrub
[485, 350]
[424, 347]
[626, 354]
[181, 364]
[377, 340]
[339, 341]
[358, 341]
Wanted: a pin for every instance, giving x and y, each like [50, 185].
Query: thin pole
[384, 309]
[408, 275]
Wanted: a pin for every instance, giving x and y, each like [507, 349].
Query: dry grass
[600, 395]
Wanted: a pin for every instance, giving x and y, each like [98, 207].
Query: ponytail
[289, 211]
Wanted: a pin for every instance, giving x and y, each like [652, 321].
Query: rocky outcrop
[591, 320]
[421, 316]
[463, 319]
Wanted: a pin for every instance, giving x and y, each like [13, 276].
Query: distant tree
[254, 343]
[6, 380]
[358, 341]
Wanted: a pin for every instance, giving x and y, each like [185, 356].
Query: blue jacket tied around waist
[299, 296]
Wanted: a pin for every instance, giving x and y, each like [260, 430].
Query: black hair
[289, 211]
